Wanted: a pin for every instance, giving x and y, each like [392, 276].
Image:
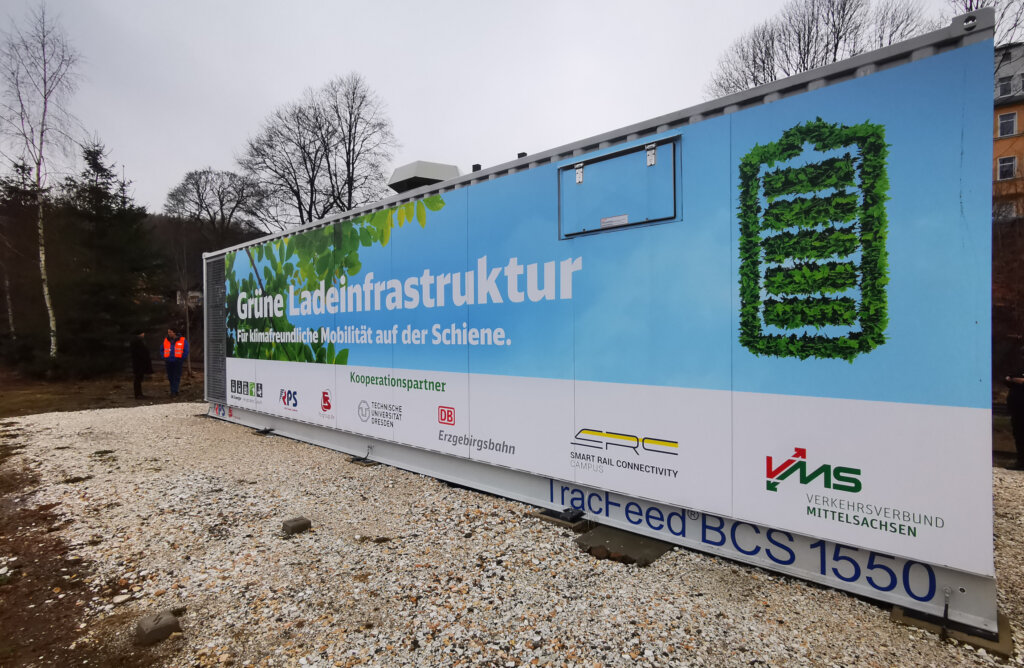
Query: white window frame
[1011, 161]
[1011, 116]
[1004, 83]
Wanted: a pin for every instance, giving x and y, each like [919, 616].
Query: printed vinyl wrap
[787, 324]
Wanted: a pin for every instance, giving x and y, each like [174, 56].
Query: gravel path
[400, 569]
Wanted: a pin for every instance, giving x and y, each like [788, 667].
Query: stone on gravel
[153, 628]
[296, 525]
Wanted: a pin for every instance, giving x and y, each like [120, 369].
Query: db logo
[325, 401]
[290, 398]
[445, 415]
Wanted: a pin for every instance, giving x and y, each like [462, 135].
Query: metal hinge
[579, 172]
[652, 154]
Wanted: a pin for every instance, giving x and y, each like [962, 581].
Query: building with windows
[1008, 133]
[1007, 209]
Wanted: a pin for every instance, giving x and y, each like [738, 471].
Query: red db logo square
[445, 415]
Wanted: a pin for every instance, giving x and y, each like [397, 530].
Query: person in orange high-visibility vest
[175, 353]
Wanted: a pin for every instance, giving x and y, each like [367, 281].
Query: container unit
[759, 327]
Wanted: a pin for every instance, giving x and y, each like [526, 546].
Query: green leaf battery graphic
[813, 265]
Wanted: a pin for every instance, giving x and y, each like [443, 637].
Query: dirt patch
[28, 396]
[43, 591]
[44, 588]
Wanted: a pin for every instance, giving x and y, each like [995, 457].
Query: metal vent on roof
[420, 173]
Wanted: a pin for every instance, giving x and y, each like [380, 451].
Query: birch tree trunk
[37, 77]
[51, 317]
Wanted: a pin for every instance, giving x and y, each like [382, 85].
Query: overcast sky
[175, 86]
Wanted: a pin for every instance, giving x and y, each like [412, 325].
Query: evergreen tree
[17, 205]
[108, 267]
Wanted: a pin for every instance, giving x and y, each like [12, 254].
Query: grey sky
[175, 86]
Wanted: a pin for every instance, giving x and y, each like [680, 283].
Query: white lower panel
[914, 584]
[663, 443]
[907, 480]
[904, 479]
[521, 423]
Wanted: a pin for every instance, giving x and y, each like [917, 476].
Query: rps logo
[325, 401]
[841, 478]
[289, 399]
[223, 411]
[606, 440]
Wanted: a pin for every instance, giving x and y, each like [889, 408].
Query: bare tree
[748, 62]
[809, 34]
[364, 140]
[220, 201]
[895, 21]
[323, 154]
[843, 25]
[801, 43]
[288, 158]
[37, 67]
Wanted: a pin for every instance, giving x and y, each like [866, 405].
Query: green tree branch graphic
[301, 261]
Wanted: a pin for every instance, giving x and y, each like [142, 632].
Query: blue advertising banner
[780, 316]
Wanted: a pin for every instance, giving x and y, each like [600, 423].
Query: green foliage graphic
[301, 261]
[798, 250]
[810, 277]
[831, 173]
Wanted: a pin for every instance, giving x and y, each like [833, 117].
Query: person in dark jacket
[175, 353]
[142, 365]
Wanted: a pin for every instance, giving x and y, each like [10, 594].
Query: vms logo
[220, 410]
[606, 440]
[247, 388]
[290, 399]
[841, 478]
[446, 415]
[325, 401]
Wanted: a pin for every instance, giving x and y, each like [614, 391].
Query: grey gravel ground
[401, 569]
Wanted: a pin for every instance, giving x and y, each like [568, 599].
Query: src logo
[290, 398]
[842, 478]
[605, 440]
[325, 401]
